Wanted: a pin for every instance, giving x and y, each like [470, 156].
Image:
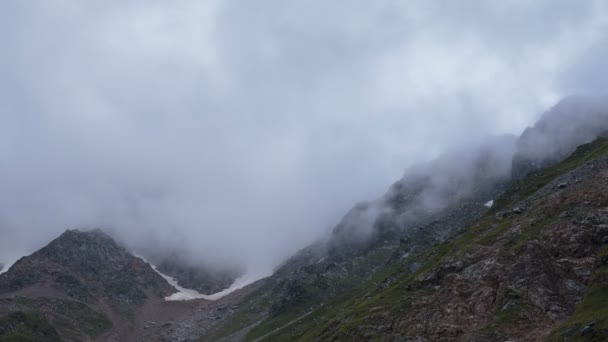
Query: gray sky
[242, 130]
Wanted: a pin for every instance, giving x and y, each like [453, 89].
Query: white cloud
[243, 130]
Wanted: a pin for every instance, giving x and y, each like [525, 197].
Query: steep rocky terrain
[525, 272]
[532, 268]
[429, 204]
[400, 269]
[82, 285]
[86, 266]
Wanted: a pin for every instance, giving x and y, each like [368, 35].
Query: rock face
[81, 284]
[87, 266]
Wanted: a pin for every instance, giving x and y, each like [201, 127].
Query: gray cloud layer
[242, 130]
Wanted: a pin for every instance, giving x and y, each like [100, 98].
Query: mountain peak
[88, 266]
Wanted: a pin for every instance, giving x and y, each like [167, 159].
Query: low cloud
[241, 131]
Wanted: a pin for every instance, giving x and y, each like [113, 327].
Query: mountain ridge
[427, 261]
[523, 181]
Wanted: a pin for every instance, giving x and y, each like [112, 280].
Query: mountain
[81, 285]
[429, 261]
[532, 268]
[504, 242]
[86, 266]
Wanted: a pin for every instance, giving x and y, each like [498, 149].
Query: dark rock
[588, 329]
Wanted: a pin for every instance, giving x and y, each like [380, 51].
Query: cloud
[242, 130]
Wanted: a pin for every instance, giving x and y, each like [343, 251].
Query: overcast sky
[242, 130]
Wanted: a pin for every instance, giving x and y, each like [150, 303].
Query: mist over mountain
[439, 238]
[242, 132]
[265, 170]
[473, 172]
[229, 170]
[574, 121]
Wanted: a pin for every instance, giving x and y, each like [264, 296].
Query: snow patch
[489, 204]
[238, 284]
[184, 294]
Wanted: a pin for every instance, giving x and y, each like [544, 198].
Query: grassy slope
[593, 306]
[67, 316]
[362, 305]
[22, 326]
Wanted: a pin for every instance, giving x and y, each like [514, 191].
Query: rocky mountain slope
[81, 285]
[530, 270]
[86, 266]
[413, 271]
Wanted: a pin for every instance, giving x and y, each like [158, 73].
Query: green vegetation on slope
[523, 188]
[21, 326]
[66, 315]
[593, 308]
[353, 314]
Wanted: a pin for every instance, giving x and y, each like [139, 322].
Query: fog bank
[241, 131]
